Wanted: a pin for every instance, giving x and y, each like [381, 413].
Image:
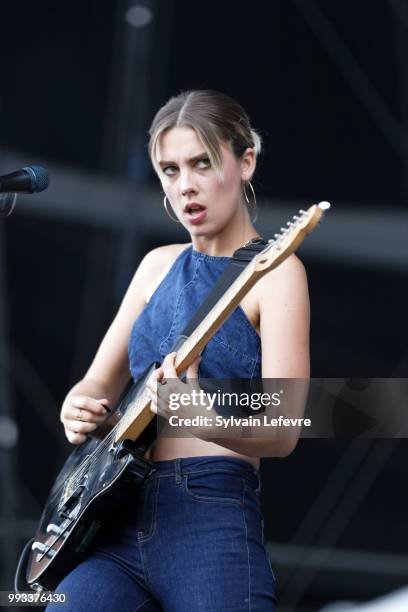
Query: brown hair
[214, 116]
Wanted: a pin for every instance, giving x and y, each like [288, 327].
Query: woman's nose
[187, 183]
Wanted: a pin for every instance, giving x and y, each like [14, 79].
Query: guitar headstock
[290, 237]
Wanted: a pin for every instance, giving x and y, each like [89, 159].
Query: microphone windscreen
[38, 176]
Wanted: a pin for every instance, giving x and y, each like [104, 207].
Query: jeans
[191, 539]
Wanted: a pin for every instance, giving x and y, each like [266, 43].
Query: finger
[81, 415]
[152, 395]
[159, 409]
[157, 404]
[80, 426]
[192, 373]
[192, 370]
[98, 406]
[169, 367]
[153, 406]
[75, 438]
[154, 378]
[105, 404]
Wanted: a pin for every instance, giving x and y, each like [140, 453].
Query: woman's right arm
[105, 380]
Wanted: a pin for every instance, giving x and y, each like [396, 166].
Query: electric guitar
[98, 474]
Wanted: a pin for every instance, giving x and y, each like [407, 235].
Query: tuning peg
[324, 205]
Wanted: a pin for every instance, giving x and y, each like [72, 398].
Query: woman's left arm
[284, 310]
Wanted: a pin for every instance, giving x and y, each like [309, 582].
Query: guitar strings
[92, 458]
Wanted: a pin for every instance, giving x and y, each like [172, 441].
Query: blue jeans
[190, 539]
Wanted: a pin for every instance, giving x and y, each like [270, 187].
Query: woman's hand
[81, 415]
[169, 384]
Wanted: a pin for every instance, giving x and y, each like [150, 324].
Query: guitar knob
[54, 529]
[39, 546]
[42, 549]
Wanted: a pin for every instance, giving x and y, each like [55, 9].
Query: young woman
[192, 536]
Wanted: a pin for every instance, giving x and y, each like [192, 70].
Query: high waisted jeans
[190, 540]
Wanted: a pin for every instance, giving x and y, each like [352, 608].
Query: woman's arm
[284, 309]
[108, 374]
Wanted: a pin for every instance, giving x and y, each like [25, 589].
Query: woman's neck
[227, 241]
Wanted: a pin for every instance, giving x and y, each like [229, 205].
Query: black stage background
[326, 84]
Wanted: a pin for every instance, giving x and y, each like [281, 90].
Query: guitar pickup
[64, 511]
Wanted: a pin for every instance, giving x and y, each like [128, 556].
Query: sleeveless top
[235, 349]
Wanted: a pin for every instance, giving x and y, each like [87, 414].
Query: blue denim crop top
[233, 352]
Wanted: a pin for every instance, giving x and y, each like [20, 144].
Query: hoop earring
[167, 210]
[253, 205]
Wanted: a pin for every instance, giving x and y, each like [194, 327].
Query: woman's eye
[204, 162]
[169, 170]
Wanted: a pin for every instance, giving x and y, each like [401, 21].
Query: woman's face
[189, 181]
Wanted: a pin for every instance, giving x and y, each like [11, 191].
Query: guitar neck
[138, 414]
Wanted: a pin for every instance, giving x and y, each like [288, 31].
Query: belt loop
[177, 469]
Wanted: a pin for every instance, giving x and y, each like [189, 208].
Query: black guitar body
[95, 480]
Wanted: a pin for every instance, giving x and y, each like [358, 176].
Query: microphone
[30, 179]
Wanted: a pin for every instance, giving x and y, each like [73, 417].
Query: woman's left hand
[166, 379]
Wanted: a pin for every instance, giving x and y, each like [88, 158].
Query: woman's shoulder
[157, 264]
[290, 273]
[167, 250]
[163, 256]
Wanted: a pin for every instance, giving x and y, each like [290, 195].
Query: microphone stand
[7, 203]
[9, 525]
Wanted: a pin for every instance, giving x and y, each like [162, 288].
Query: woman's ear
[248, 164]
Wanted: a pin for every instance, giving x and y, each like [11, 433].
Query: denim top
[233, 352]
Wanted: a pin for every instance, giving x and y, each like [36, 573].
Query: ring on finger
[78, 415]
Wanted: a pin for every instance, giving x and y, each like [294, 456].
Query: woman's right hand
[81, 415]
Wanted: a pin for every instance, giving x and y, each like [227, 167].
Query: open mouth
[194, 209]
[195, 213]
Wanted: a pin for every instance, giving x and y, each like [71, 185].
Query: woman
[192, 537]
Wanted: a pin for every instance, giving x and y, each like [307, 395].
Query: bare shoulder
[157, 262]
[290, 274]
[163, 254]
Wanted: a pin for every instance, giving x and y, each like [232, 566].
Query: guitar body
[95, 480]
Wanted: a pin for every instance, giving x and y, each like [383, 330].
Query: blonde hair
[214, 116]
